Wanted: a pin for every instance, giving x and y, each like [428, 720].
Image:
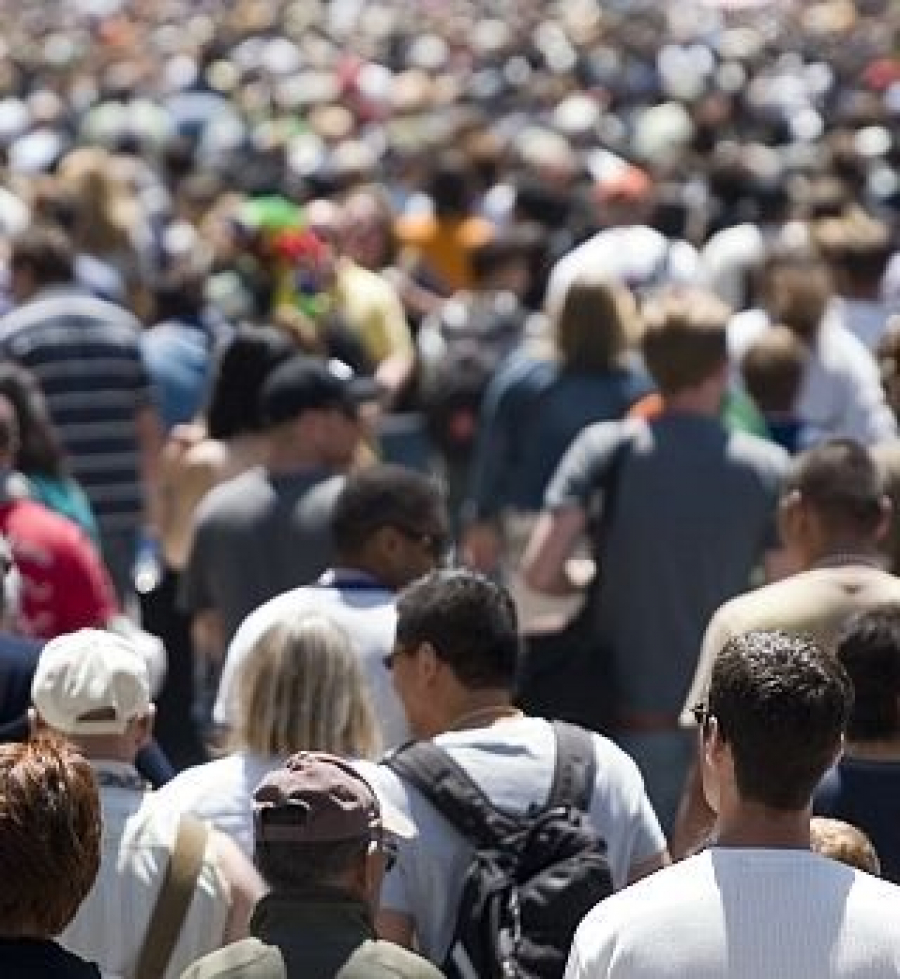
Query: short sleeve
[194, 591]
[580, 471]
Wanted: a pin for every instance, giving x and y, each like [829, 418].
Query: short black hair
[382, 495]
[868, 648]
[240, 372]
[298, 866]
[782, 704]
[470, 622]
[842, 482]
[46, 251]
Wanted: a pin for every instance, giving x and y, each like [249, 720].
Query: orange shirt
[445, 245]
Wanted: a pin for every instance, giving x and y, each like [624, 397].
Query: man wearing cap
[267, 530]
[92, 687]
[833, 515]
[323, 842]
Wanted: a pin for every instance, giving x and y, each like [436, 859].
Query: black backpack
[533, 878]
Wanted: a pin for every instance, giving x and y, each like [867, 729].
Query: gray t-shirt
[256, 536]
[513, 763]
[693, 515]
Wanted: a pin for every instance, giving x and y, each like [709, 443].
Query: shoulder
[380, 958]
[248, 959]
[234, 495]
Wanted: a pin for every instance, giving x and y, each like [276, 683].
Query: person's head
[49, 836]
[41, 256]
[310, 412]
[505, 261]
[390, 522]
[457, 642]
[368, 233]
[888, 355]
[773, 723]
[252, 354]
[39, 451]
[797, 289]
[450, 185]
[595, 323]
[857, 248]
[833, 501]
[318, 823]
[93, 687]
[772, 371]
[868, 647]
[844, 842]
[302, 689]
[684, 342]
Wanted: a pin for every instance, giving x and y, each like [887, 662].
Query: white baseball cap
[89, 673]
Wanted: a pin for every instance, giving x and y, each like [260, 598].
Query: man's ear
[888, 515]
[141, 728]
[428, 662]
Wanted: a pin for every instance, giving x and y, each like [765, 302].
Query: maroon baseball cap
[319, 798]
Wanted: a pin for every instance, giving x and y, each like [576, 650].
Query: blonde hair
[302, 688]
[103, 209]
[841, 841]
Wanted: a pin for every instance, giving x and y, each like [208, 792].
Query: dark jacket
[35, 958]
[324, 934]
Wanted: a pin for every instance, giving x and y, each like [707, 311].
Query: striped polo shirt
[85, 353]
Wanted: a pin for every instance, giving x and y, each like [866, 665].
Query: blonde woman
[301, 688]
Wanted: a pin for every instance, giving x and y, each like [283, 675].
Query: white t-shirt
[841, 394]
[744, 914]
[219, 792]
[513, 763]
[362, 609]
[137, 842]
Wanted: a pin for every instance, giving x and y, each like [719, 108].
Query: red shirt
[64, 583]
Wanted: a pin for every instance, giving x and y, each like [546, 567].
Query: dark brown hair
[49, 836]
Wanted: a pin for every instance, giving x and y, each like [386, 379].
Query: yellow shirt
[373, 310]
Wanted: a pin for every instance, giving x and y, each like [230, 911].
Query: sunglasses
[701, 714]
[436, 544]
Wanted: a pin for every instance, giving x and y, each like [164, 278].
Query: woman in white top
[300, 689]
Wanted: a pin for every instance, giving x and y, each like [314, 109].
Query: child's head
[842, 841]
[772, 369]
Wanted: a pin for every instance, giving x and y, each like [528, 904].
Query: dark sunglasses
[701, 714]
[436, 544]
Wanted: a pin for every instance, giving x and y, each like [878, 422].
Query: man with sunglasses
[388, 527]
[323, 843]
[757, 902]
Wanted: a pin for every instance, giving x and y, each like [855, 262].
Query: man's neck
[753, 825]
[481, 709]
[693, 402]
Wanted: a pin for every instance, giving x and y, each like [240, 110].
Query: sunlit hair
[49, 836]
[102, 208]
[302, 688]
[595, 323]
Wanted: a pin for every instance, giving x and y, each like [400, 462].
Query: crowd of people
[450, 486]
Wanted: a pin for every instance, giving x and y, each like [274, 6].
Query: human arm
[576, 484]
[245, 885]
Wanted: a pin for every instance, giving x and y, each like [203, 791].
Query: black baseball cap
[304, 383]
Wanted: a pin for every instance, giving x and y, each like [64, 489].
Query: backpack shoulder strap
[576, 767]
[174, 898]
[452, 792]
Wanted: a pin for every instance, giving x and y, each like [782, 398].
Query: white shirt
[363, 609]
[513, 763]
[841, 394]
[219, 793]
[638, 256]
[137, 840]
[744, 914]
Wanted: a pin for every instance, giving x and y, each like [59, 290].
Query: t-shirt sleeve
[622, 812]
[194, 591]
[579, 473]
